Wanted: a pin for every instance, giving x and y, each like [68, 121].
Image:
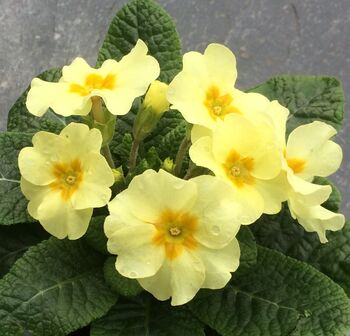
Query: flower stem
[190, 170]
[133, 155]
[184, 146]
[106, 152]
[99, 116]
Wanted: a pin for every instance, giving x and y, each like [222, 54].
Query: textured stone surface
[269, 37]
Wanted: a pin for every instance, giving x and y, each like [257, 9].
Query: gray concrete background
[269, 37]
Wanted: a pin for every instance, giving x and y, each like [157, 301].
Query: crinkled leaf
[54, 289]
[13, 205]
[19, 118]
[248, 247]
[144, 19]
[308, 98]
[15, 240]
[282, 233]
[278, 296]
[168, 135]
[145, 316]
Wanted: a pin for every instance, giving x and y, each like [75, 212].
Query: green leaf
[168, 135]
[13, 205]
[54, 289]
[308, 98]
[282, 233]
[248, 248]
[121, 149]
[145, 316]
[15, 240]
[119, 283]
[20, 120]
[277, 296]
[145, 20]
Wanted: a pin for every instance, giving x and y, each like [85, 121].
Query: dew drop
[215, 230]
[132, 274]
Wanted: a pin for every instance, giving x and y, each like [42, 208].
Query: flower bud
[151, 110]
[156, 97]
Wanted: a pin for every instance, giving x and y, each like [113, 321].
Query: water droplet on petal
[178, 186]
[215, 230]
[132, 274]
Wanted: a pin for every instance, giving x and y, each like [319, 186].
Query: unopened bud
[156, 97]
[151, 110]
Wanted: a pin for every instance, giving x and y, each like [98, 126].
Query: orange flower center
[218, 105]
[238, 169]
[94, 82]
[175, 232]
[297, 165]
[68, 175]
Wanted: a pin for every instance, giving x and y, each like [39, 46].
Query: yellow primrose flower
[246, 156]
[117, 83]
[310, 153]
[204, 90]
[64, 177]
[174, 236]
[314, 218]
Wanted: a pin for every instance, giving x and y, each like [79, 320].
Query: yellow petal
[235, 133]
[187, 277]
[324, 161]
[60, 219]
[198, 132]
[274, 192]
[35, 194]
[90, 140]
[219, 264]
[187, 95]
[218, 211]
[310, 143]
[94, 191]
[150, 193]
[201, 153]
[35, 167]
[76, 72]
[159, 285]
[120, 216]
[43, 95]
[138, 257]
[311, 193]
[221, 64]
[315, 218]
[135, 72]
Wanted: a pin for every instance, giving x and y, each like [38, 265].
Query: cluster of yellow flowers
[173, 235]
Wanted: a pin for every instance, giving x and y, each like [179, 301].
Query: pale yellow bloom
[314, 218]
[64, 177]
[310, 153]
[175, 236]
[247, 157]
[204, 90]
[156, 97]
[117, 83]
